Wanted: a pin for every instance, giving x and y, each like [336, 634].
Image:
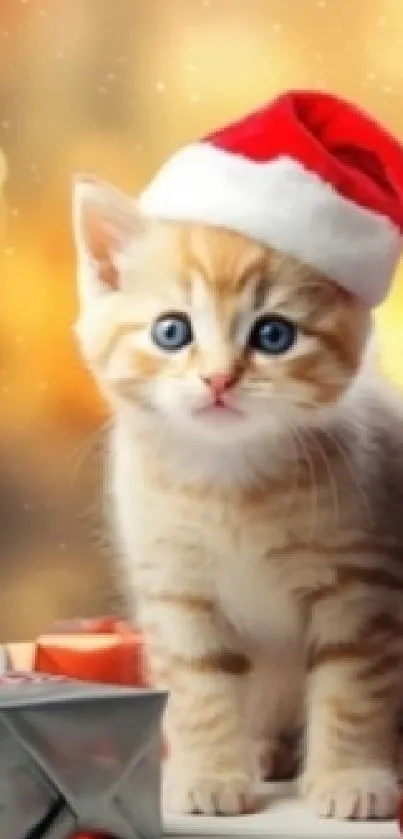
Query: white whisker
[331, 479]
[82, 451]
[347, 461]
[313, 484]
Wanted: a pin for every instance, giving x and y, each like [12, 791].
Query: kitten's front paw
[359, 793]
[207, 791]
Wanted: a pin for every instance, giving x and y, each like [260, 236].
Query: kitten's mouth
[219, 408]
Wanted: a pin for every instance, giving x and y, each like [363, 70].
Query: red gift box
[102, 650]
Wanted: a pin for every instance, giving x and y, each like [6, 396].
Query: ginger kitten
[256, 474]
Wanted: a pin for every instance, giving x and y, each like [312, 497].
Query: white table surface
[283, 816]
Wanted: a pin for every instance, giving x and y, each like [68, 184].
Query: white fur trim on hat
[282, 205]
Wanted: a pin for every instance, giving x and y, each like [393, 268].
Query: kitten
[256, 473]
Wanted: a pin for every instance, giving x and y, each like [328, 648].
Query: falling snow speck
[160, 87]
[27, 506]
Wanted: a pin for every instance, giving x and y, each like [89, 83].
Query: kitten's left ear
[105, 222]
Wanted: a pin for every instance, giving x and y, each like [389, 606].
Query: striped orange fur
[263, 541]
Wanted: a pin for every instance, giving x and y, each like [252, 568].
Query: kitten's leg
[350, 771]
[210, 767]
[274, 710]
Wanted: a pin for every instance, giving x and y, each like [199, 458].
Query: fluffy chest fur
[258, 552]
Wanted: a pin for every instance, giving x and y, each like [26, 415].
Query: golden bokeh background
[112, 87]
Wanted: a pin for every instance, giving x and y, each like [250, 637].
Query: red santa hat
[308, 174]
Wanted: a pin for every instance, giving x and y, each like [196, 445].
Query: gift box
[104, 650]
[77, 757]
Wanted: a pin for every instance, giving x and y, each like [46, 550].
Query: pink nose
[220, 382]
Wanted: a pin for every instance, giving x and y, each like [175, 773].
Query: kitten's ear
[105, 222]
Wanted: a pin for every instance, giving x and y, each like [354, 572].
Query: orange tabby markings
[234, 664]
[379, 577]
[144, 365]
[111, 341]
[347, 651]
[193, 602]
[386, 663]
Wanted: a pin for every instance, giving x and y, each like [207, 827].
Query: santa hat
[308, 174]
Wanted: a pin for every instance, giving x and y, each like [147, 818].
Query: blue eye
[272, 335]
[172, 332]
